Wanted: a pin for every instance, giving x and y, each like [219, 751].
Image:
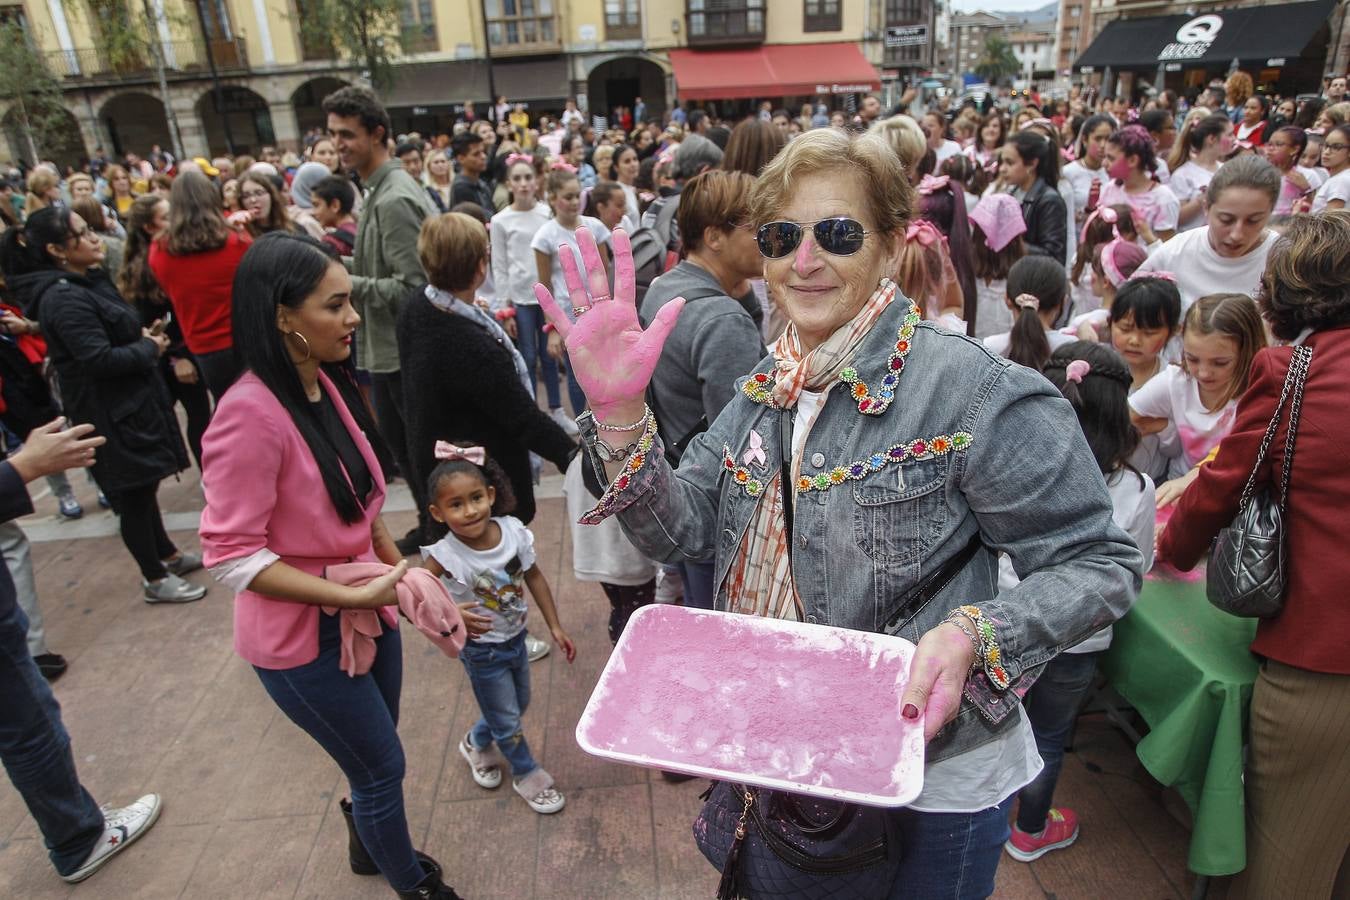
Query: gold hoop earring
[304, 340]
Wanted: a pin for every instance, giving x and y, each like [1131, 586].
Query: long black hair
[1044, 279]
[282, 269]
[24, 250]
[1100, 398]
[1033, 146]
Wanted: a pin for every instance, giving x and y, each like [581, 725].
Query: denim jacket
[964, 442]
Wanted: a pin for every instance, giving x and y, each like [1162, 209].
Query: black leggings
[143, 529]
[196, 402]
[624, 600]
[219, 369]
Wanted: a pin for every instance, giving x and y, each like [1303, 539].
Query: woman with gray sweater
[716, 340]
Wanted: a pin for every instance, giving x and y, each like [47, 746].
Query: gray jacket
[714, 343]
[883, 511]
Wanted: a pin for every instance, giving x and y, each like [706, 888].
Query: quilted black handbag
[771, 844]
[1247, 560]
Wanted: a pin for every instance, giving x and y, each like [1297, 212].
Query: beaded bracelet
[990, 657]
[959, 620]
[640, 423]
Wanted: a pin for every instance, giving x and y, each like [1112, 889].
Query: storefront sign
[906, 35]
[843, 88]
[1193, 38]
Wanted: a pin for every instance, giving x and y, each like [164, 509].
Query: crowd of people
[380, 306]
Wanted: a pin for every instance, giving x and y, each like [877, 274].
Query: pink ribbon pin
[756, 452]
[447, 450]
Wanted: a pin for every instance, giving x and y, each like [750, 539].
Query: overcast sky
[996, 5]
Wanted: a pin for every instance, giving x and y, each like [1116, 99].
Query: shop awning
[1256, 35]
[445, 83]
[777, 70]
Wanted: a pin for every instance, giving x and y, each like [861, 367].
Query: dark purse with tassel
[776, 844]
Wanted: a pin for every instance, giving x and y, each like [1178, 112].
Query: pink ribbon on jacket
[421, 598]
[756, 452]
[447, 450]
[930, 183]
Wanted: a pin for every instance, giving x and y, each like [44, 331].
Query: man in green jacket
[384, 263]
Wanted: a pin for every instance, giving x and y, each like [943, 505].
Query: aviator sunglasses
[839, 237]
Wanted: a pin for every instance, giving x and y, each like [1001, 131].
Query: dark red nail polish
[910, 711]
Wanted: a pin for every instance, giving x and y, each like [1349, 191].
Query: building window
[822, 15]
[905, 12]
[419, 26]
[724, 20]
[623, 19]
[521, 22]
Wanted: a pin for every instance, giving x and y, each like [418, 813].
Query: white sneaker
[485, 774]
[172, 589]
[537, 789]
[535, 649]
[120, 828]
[568, 424]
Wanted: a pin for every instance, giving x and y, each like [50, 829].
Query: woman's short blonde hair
[714, 199]
[831, 151]
[450, 247]
[79, 178]
[905, 137]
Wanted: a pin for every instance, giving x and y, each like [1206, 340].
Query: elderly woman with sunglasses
[869, 453]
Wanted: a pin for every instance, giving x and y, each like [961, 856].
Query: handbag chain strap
[1299, 365]
[1298, 362]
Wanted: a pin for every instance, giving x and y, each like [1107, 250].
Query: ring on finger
[578, 310]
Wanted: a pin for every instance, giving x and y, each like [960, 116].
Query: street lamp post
[216, 91]
[487, 52]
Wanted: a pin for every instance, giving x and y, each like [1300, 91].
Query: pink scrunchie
[421, 598]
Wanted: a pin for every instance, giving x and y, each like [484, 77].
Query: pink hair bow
[559, 165]
[930, 183]
[1105, 213]
[922, 231]
[1165, 276]
[756, 452]
[1075, 370]
[447, 450]
[514, 158]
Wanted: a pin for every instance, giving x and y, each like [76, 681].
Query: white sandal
[538, 791]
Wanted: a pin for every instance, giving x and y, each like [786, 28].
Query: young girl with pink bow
[487, 561]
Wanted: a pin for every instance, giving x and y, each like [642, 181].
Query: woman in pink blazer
[292, 486]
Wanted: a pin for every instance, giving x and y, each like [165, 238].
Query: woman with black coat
[1029, 165]
[464, 380]
[107, 366]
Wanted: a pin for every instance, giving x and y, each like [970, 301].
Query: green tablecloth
[1185, 666]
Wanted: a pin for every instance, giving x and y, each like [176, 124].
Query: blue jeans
[1052, 705]
[500, 675]
[574, 391]
[953, 856]
[699, 590]
[36, 748]
[532, 340]
[355, 721]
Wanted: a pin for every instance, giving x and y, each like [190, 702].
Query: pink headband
[1105, 213]
[558, 165]
[930, 183]
[1107, 256]
[514, 158]
[1075, 370]
[447, 450]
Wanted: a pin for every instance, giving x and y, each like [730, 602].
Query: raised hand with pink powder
[612, 357]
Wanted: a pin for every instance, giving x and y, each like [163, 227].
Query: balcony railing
[187, 57]
[523, 34]
[720, 22]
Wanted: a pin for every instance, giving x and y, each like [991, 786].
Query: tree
[368, 32]
[998, 61]
[32, 92]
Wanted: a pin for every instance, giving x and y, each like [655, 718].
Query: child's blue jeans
[1052, 706]
[500, 675]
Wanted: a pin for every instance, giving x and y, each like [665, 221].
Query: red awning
[779, 70]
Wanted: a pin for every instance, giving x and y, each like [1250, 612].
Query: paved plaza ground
[155, 700]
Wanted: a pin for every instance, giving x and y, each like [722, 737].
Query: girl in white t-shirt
[486, 562]
[1087, 173]
[564, 195]
[1197, 400]
[1131, 163]
[514, 272]
[1201, 147]
[1336, 160]
[1036, 290]
[1095, 380]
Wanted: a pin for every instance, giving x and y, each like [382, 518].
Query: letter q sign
[1201, 29]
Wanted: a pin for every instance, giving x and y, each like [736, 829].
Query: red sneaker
[1061, 830]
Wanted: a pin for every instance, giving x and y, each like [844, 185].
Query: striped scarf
[760, 582]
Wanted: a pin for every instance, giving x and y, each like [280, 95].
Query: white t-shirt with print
[1157, 206]
[1175, 396]
[494, 579]
[549, 239]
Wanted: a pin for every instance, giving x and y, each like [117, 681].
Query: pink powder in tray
[810, 709]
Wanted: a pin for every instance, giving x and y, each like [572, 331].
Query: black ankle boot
[431, 887]
[360, 860]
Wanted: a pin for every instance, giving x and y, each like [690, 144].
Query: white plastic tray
[809, 709]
